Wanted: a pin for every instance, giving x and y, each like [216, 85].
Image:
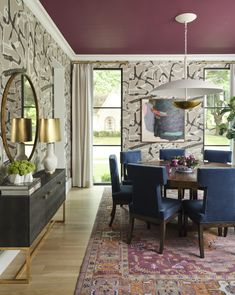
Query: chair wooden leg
[220, 231]
[180, 223]
[200, 239]
[185, 225]
[112, 214]
[164, 192]
[225, 231]
[162, 236]
[131, 227]
[148, 225]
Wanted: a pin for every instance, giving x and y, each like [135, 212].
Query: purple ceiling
[144, 26]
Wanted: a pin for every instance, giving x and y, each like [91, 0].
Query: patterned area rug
[111, 266]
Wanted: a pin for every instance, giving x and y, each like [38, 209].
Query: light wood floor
[55, 268]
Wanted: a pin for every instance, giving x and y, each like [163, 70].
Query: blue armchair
[147, 202]
[167, 155]
[217, 209]
[127, 157]
[121, 194]
[218, 156]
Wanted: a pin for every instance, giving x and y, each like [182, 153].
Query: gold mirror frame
[4, 114]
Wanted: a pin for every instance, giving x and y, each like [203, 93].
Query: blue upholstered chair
[217, 209]
[127, 157]
[121, 194]
[147, 202]
[218, 156]
[167, 155]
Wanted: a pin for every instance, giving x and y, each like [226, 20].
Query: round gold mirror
[19, 116]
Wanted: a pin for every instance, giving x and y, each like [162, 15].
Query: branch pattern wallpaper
[26, 46]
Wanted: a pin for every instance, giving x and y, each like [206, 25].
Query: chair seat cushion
[193, 208]
[169, 207]
[124, 195]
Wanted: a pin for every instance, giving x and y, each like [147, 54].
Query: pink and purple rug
[111, 266]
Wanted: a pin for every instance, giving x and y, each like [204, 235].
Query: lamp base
[21, 152]
[50, 160]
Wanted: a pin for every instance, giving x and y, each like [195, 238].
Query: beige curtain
[82, 91]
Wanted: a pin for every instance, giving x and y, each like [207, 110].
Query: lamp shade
[186, 89]
[49, 130]
[21, 130]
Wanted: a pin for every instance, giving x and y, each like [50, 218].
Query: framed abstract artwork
[162, 121]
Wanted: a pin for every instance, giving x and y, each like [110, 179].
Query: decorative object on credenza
[184, 164]
[228, 128]
[21, 132]
[23, 189]
[20, 172]
[49, 132]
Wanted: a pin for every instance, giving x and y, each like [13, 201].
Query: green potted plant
[228, 128]
[20, 171]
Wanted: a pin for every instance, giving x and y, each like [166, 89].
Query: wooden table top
[184, 180]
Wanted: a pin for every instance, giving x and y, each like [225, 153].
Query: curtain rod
[100, 62]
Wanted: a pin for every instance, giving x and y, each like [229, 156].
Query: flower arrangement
[21, 167]
[183, 161]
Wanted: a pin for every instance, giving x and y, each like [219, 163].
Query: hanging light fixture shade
[186, 93]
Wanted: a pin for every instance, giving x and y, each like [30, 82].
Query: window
[213, 105]
[106, 121]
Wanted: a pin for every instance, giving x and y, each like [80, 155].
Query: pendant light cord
[185, 50]
[185, 56]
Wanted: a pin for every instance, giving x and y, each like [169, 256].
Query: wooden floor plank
[55, 268]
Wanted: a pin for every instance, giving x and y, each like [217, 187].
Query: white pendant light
[187, 92]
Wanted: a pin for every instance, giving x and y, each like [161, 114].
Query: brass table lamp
[49, 132]
[21, 132]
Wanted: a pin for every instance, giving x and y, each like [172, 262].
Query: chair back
[219, 198]
[127, 157]
[168, 154]
[147, 182]
[218, 156]
[113, 167]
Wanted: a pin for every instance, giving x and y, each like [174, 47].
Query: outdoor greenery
[106, 177]
[105, 81]
[214, 104]
[228, 128]
[104, 133]
[216, 140]
[100, 172]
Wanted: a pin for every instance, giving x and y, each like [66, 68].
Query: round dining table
[182, 180]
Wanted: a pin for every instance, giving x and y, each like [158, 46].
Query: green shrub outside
[105, 177]
[106, 133]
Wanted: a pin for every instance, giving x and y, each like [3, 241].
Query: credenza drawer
[22, 218]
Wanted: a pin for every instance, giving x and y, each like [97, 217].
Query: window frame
[205, 108]
[121, 118]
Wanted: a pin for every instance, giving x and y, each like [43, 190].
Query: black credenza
[22, 218]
